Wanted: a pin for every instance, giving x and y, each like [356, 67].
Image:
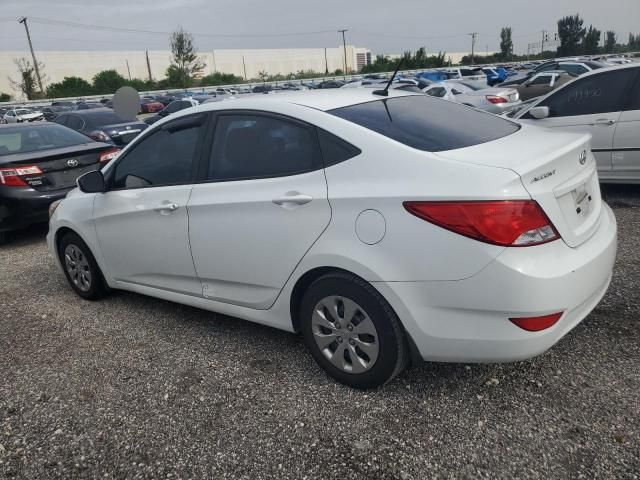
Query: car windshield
[427, 123]
[23, 111]
[37, 138]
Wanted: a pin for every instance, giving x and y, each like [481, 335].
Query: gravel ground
[133, 387]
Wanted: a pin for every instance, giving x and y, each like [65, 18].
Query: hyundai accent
[386, 227]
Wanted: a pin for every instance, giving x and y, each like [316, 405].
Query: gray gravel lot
[133, 387]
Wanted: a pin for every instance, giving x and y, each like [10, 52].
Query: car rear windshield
[427, 123]
[24, 139]
[103, 118]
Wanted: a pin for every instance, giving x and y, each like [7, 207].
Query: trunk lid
[557, 169]
[60, 166]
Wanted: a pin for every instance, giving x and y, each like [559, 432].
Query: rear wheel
[80, 268]
[352, 331]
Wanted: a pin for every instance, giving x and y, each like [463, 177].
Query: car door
[142, 221]
[625, 157]
[261, 207]
[10, 117]
[590, 104]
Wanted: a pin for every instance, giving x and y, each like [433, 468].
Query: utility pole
[213, 53]
[544, 35]
[344, 45]
[128, 69]
[473, 45]
[244, 67]
[146, 52]
[23, 20]
[326, 62]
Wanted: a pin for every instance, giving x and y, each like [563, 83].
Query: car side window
[167, 156]
[255, 146]
[541, 80]
[633, 102]
[334, 149]
[590, 95]
[437, 92]
[172, 107]
[74, 122]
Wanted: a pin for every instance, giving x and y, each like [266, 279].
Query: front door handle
[604, 121]
[166, 207]
[297, 199]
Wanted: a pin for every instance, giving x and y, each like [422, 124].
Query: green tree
[609, 41]
[591, 40]
[185, 63]
[27, 83]
[506, 43]
[4, 97]
[263, 75]
[570, 33]
[219, 78]
[108, 81]
[69, 87]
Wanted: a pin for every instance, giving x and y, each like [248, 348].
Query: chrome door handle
[604, 121]
[292, 199]
[166, 207]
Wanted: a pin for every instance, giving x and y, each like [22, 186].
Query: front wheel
[352, 332]
[80, 268]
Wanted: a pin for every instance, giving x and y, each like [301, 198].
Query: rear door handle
[298, 199]
[604, 121]
[166, 207]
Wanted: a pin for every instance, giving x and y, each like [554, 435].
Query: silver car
[493, 100]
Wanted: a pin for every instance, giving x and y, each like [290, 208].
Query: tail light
[100, 136]
[535, 324]
[509, 223]
[108, 155]
[12, 177]
[496, 99]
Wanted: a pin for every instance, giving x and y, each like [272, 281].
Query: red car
[150, 106]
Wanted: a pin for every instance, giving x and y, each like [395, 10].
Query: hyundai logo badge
[72, 163]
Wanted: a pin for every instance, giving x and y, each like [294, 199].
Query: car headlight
[52, 208]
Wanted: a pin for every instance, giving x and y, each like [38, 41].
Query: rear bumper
[24, 206]
[467, 320]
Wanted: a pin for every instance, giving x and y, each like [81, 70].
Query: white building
[246, 63]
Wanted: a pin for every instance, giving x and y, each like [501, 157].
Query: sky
[382, 26]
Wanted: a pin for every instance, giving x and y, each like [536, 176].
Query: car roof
[323, 100]
[30, 125]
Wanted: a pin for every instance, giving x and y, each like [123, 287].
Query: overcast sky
[383, 26]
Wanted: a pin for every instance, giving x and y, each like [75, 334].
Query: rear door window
[427, 124]
[600, 93]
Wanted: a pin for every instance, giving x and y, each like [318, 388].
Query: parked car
[606, 104]
[496, 75]
[435, 75]
[90, 105]
[494, 100]
[384, 228]
[20, 115]
[63, 103]
[102, 125]
[264, 88]
[470, 74]
[226, 91]
[574, 67]
[165, 99]
[514, 110]
[330, 84]
[173, 107]
[39, 164]
[150, 106]
[50, 113]
[542, 83]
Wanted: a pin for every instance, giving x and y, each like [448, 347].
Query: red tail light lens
[12, 177]
[535, 324]
[108, 155]
[515, 223]
[496, 99]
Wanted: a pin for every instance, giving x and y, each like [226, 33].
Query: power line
[66, 23]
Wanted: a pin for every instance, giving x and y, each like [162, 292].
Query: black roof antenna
[385, 91]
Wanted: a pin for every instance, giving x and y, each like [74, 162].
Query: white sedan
[386, 229]
[492, 99]
[20, 115]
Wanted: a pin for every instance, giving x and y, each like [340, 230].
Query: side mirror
[92, 182]
[539, 112]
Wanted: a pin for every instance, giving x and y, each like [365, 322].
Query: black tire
[393, 352]
[96, 287]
